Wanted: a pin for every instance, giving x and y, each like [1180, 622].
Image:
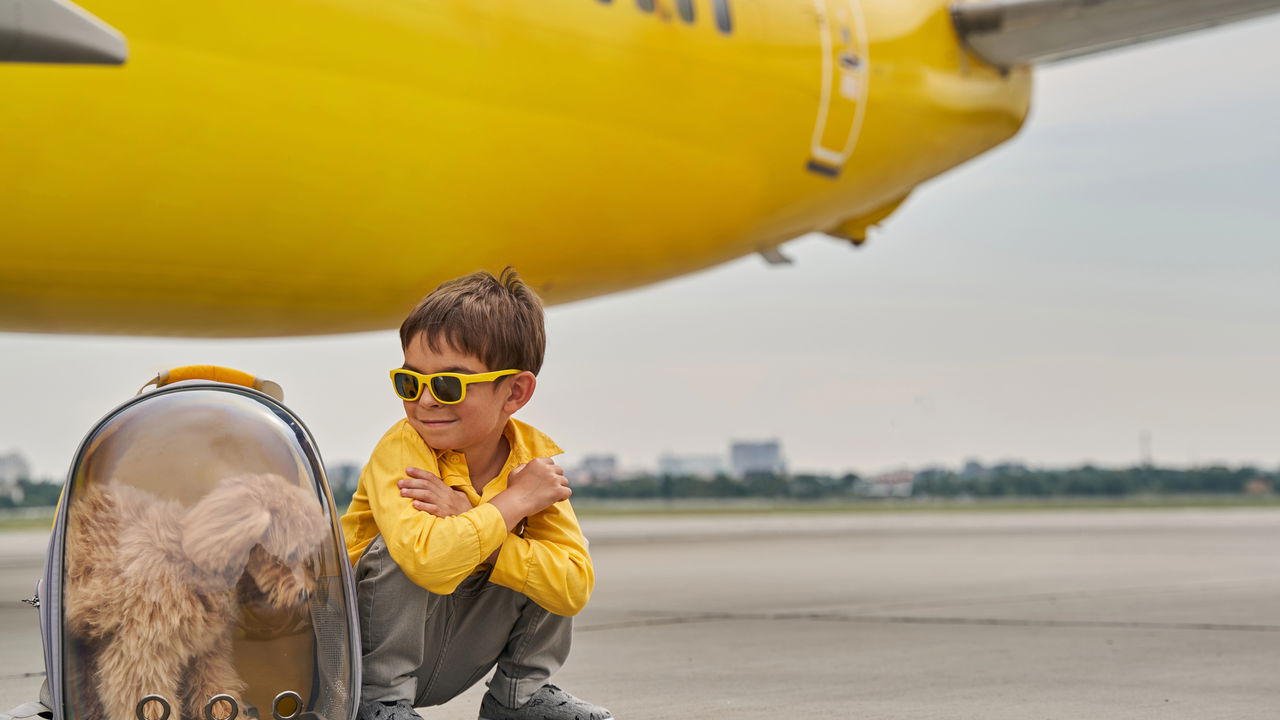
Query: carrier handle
[216, 373]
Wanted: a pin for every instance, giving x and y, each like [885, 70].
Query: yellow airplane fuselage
[316, 166]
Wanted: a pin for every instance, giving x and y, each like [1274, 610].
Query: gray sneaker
[548, 703]
[373, 710]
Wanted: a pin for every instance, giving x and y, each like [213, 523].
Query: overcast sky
[1113, 270]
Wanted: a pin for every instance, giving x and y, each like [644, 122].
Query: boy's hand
[430, 494]
[539, 483]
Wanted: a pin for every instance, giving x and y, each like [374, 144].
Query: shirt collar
[528, 442]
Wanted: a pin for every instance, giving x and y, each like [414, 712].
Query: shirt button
[455, 458]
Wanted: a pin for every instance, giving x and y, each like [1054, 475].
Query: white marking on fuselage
[854, 80]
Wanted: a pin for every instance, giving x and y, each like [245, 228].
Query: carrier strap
[216, 373]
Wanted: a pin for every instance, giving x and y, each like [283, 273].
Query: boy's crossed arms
[531, 559]
[531, 488]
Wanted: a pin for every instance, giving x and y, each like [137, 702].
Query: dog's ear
[298, 524]
[220, 530]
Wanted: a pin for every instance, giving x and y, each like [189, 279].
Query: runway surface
[1044, 614]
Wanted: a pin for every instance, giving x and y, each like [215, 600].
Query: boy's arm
[550, 564]
[437, 553]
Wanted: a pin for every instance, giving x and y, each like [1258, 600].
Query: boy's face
[480, 417]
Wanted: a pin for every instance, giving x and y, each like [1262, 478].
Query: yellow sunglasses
[447, 388]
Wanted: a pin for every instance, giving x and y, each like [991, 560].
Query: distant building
[757, 458]
[597, 470]
[1258, 486]
[898, 483]
[696, 466]
[12, 469]
[1010, 467]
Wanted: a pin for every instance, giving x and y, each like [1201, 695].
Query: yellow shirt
[549, 564]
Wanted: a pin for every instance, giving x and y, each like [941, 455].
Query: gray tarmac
[1040, 614]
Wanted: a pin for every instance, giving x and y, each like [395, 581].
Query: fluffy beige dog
[151, 587]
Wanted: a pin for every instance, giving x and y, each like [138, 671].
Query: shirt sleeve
[550, 564]
[435, 553]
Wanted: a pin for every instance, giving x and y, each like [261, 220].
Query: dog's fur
[151, 586]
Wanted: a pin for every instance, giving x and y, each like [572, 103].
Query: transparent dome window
[202, 567]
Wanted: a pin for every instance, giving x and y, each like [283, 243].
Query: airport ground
[1108, 613]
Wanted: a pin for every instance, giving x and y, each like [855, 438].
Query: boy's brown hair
[497, 319]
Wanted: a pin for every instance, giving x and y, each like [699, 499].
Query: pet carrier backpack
[196, 569]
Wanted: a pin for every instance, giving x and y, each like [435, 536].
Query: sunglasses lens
[446, 389]
[406, 386]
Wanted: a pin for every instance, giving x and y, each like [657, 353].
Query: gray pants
[429, 648]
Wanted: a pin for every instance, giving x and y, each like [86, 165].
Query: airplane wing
[56, 31]
[1017, 32]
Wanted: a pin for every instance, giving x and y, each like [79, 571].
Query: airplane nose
[57, 31]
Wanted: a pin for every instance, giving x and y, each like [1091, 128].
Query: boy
[467, 553]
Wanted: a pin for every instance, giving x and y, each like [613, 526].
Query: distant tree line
[1017, 481]
[34, 494]
[1092, 481]
[1007, 481]
[722, 486]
